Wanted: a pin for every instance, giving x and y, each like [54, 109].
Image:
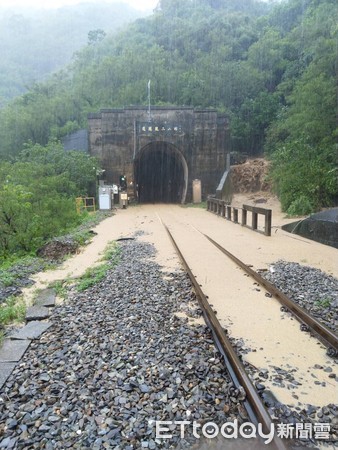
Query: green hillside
[272, 67]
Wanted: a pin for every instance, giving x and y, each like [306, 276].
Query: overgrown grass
[90, 220]
[112, 253]
[324, 302]
[60, 287]
[83, 234]
[98, 273]
[12, 310]
[7, 279]
[17, 268]
[92, 276]
[13, 270]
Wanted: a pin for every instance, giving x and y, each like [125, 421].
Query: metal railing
[85, 204]
[229, 212]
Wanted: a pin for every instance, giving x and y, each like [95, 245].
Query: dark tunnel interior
[159, 175]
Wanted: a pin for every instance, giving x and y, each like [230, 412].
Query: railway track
[253, 403]
[323, 333]
[141, 358]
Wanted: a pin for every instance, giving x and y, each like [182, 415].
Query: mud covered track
[254, 404]
[297, 372]
[323, 333]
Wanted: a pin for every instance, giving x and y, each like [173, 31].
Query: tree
[96, 36]
[37, 195]
[304, 171]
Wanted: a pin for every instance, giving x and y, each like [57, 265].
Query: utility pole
[149, 112]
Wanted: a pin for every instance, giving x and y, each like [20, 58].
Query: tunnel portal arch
[160, 174]
[128, 140]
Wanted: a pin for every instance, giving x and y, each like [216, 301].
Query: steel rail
[323, 333]
[253, 404]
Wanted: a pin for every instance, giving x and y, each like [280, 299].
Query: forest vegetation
[271, 67]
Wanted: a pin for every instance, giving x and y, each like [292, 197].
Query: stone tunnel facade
[160, 152]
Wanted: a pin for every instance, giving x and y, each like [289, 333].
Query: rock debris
[122, 355]
[116, 359]
[311, 288]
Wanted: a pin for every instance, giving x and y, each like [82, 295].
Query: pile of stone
[311, 288]
[118, 357]
[116, 360]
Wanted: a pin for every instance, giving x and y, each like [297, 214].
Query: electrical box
[105, 197]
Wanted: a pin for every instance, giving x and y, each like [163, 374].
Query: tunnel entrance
[161, 174]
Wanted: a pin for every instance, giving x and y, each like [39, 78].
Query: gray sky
[138, 4]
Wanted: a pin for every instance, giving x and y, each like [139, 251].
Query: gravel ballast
[311, 288]
[120, 356]
[116, 358]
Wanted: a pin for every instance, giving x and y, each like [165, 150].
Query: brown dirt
[229, 291]
[57, 249]
[250, 176]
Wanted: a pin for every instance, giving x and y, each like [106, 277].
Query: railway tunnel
[161, 174]
[161, 154]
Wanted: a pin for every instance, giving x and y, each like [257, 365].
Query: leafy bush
[37, 195]
[304, 175]
[300, 207]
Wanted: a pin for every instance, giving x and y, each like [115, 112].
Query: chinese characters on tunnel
[158, 128]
